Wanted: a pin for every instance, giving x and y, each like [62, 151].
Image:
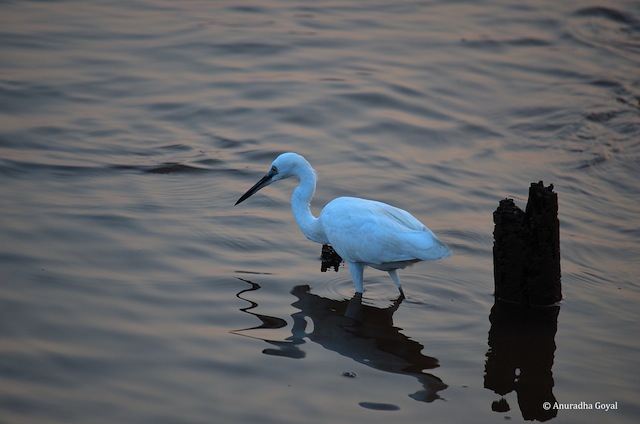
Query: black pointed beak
[265, 181]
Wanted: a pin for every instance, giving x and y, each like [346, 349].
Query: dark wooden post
[526, 249]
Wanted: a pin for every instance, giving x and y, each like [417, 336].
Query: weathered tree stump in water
[330, 259]
[526, 249]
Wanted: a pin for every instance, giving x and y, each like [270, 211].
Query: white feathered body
[378, 235]
[363, 232]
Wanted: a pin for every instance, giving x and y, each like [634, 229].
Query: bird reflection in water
[361, 332]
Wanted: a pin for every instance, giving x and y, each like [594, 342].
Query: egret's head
[286, 165]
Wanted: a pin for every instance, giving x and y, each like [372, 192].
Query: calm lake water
[133, 290]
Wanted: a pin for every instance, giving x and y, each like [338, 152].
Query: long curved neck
[300, 204]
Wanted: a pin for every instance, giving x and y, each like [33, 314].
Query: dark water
[133, 291]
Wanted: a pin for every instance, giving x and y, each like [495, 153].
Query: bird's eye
[274, 169]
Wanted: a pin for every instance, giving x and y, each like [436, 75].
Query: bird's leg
[356, 270]
[394, 275]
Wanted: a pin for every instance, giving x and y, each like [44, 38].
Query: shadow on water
[361, 332]
[520, 357]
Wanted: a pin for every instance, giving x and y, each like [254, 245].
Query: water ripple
[607, 28]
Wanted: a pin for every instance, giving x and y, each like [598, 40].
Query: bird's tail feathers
[434, 250]
[439, 250]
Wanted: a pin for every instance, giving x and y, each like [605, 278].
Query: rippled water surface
[134, 291]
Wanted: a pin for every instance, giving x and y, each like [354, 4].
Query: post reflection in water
[520, 357]
[361, 332]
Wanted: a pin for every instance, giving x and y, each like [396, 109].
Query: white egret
[363, 232]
